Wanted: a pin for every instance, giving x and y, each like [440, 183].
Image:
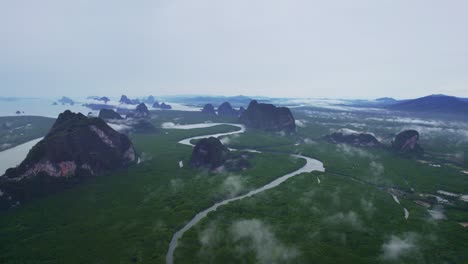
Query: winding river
[311, 165]
[12, 157]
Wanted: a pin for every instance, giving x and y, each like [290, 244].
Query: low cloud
[229, 139]
[397, 247]
[350, 218]
[368, 207]
[145, 157]
[309, 141]
[377, 169]
[210, 236]
[233, 185]
[350, 151]
[268, 249]
[176, 185]
[300, 123]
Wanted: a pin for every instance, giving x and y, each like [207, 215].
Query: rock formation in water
[109, 114]
[76, 147]
[162, 106]
[208, 109]
[268, 117]
[65, 100]
[149, 100]
[165, 106]
[141, 111]
[209, 153]
[225, 109]
[125, 100]
[406, 142]
[103, 99]
[354, 138]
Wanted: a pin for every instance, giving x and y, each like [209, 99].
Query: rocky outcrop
[225, 109]
[149, 100]
[141, 111]
[65, 100]
[165, 106]
[238, 162]
[209, 153]
[109, 114]
[156, 105]
[208, 109]
[125, 100]
[406, 142]
[268, 117]
[241, 110]
[103, 99]
[75, 147]
[351, 137]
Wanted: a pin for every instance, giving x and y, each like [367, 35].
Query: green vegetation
[336, 221]
[349, 217]
[129, 216]
[16, 130]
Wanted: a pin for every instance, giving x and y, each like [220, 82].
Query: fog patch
[437, 213]
[220, 170]
[268, 249]
[457, 135]
[397, 247]
[229, 139]
[350, 151]
[176, 185]
[350, 218]
[308, 196]
[309, 141]
[368, 207]
[145, 157]
[120, 127]
[209, 238]
[281, 134]
[408, 121]
[300, 122]
[345, 131]
[233, 185]
[376, 168]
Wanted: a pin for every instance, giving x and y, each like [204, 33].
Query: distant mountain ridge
[437, 103]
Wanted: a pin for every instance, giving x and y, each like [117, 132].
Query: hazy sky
[348, 48]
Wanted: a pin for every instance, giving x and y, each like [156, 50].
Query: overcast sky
[339, 49]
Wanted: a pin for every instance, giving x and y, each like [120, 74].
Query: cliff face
[142, 111]
[165, 106]
[209, 153]
[225, 109]
[125, 100]
[75, 147]
[268, 117]
[406, 142]
[109, 114]
[209, 109]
